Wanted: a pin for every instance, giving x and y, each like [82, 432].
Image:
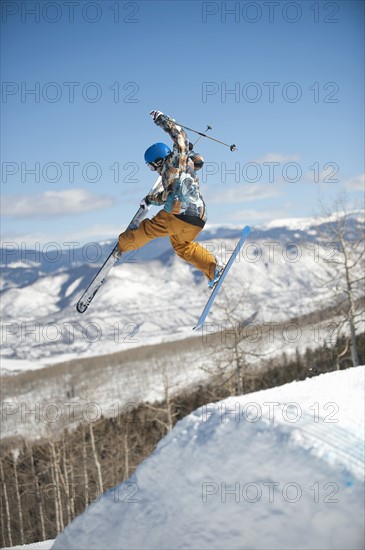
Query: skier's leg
[181, 234]
[192, 252]
[149, 229]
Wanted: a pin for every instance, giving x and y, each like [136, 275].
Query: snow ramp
[277, 469]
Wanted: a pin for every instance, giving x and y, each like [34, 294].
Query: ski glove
[145, 203]
[155, 115]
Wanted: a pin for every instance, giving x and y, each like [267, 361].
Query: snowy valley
[151, 296]
[138, 331]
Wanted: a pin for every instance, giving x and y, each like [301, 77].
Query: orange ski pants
[182, 235]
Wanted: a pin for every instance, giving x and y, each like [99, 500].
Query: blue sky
[281, 80]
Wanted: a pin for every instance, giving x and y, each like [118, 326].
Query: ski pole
[199, 138]
[232, 147]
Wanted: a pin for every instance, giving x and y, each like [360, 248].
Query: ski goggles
[156, 165]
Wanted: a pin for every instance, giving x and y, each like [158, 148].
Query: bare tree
[37, 491]
[6, 520]
[85, 471]
[128, 447]
[64, 478]
[166, 409]
[342, 234]
[15, 454]
[126, 454]
[57, 488]
[96, 460]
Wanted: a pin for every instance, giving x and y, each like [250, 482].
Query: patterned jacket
[180, 194]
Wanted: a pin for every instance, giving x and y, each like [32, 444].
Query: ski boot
[217, 275]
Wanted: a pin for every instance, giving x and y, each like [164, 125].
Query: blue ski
[217, 287]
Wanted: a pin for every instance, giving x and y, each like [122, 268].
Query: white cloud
[52, 204]
[357, 183]
[246, 193]
[277, 157]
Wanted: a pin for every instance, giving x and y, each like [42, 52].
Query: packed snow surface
[281, 468]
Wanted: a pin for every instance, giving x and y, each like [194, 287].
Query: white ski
[113, 257]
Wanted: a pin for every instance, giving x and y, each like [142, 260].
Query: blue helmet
[156, 151]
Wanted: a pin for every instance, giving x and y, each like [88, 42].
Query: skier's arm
[155, 198]
[179, 137]
[197, 160]
[177, 134]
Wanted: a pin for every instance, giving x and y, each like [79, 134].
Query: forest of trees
[45, 484]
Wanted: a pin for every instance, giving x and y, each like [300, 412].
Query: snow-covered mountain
[280, 468]
[152, 296]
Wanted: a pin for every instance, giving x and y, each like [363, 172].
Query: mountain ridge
[152, 295]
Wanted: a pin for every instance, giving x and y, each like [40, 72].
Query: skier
[184, 213]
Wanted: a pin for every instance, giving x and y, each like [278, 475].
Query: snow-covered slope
[153, 296]
[281, 468]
